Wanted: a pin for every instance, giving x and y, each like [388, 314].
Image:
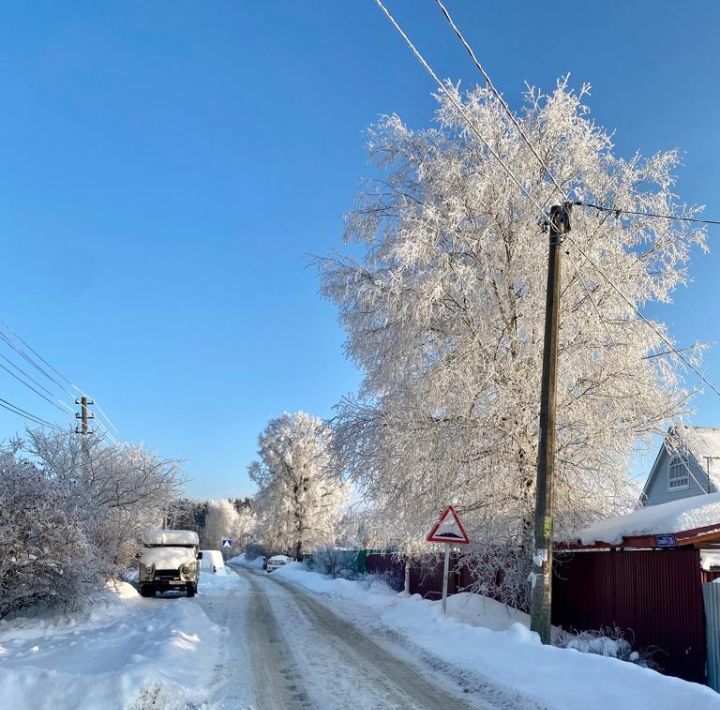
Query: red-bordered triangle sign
[449, 529]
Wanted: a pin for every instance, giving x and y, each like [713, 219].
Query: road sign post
[446, 574]
[450, 531]
[226, 544]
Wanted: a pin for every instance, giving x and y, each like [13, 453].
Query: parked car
[169, 560]
[277, 561]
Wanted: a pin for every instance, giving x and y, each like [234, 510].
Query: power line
[617, 211]
[499, 96]
[41, 358]
[38, 393]
[32, 362]
[460, 109]
[106, 418]
[647, 321]
[25, 374]
[27, 415]
[29, 359]
[613, 210]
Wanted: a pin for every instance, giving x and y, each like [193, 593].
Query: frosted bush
[608, 641]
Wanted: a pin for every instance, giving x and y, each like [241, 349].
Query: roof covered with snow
[672, 518]
[701, 441]
[170, 537]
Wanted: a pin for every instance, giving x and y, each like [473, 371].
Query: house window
[678, 474]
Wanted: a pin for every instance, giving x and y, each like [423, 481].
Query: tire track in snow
[343, 667]
[275, 679]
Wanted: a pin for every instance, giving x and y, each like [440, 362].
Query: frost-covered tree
[46, 555]
[300, 498]
[120, 490]
[223, 519]
[72, 516]
[444, 312]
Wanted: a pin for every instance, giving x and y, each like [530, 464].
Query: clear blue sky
[166, 167]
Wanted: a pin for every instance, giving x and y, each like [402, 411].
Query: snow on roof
[170, 537]
[710, 559]
[701, 441]
[667, 518]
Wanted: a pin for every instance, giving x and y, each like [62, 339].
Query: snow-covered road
[296, 639]
[304, 656]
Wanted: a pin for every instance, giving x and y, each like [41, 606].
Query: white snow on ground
[674, 517]
[510, 655]
[243, 561]
[122, 652]
[210, 558]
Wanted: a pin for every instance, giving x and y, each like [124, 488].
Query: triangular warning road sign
[449, 529]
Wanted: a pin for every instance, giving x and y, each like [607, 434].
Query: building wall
[658, 492]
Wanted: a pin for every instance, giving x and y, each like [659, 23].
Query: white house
[688, 464]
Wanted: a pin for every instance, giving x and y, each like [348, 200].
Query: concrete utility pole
[541, 577]
[84, 415]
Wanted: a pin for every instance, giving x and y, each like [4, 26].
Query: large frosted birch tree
[444, 313]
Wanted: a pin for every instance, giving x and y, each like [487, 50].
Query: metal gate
[711, 597]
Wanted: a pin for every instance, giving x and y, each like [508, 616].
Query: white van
[169, 560]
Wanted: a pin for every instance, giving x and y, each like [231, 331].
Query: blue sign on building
[665, 540]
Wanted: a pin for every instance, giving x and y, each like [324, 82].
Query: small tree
[120, 491]
[46, 556]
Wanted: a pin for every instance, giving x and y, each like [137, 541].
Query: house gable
[657, 488]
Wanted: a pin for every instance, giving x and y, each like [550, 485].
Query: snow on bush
[46, 557]
[609, 642]
[69, 517]
[120, 490]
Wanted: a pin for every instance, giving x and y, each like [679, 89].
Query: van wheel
[146, 590]
[191, 589]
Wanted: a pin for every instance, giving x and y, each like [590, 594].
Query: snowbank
[244, 561]
[122, 652]
[210, 558]
[482, 638]
[667, 518]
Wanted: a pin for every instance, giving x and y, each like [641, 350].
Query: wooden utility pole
[84, 415]
[541, 577]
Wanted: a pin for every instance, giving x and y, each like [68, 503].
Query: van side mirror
[199, 555]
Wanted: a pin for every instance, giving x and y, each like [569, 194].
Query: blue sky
[167, 168]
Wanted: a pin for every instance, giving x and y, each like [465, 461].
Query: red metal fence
[425, 573]
[655, 596]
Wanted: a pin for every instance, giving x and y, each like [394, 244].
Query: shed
[642, 573]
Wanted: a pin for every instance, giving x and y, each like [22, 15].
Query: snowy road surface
[303, 656]
[296, 639]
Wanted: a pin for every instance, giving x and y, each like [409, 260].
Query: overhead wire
[22, 353]
[646, 320]
[40, 357]
[461, 110]
[29, 386]
[617, 211]
[499, 97]
[27, 415]
[29, 360]
[582, 203]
